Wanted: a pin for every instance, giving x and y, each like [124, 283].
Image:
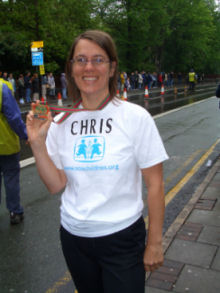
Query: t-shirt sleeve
[148, 145]
[52, 143]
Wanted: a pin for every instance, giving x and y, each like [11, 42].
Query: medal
[40, 111]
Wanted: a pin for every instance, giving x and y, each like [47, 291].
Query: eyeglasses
[83, 61]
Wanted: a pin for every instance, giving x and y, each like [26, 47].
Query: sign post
[37, 53]
[37, 57]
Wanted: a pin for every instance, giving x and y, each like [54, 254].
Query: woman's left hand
[153, 257]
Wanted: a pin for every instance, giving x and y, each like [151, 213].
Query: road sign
[42, 70]
[38, 44]
[37, 49]
[37, 58]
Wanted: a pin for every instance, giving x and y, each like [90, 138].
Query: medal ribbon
[68, 111]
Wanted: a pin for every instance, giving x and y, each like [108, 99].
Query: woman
[97, 155]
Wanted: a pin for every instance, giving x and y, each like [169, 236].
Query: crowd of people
[28, 87]
[139, 80]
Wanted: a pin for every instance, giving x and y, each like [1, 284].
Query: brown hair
[104, 41]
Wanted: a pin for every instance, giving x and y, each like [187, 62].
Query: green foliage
[55, 22]
[150, 35]
[192, 29]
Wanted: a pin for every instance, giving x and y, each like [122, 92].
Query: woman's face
[91, 78]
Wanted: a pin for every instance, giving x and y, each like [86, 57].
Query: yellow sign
[42, 70]
[39, 44]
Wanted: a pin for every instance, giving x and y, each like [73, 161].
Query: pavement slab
[191, 252]
[216, 178]
[166, 276]
[205, 217]
[197, 280]
[210, 235]
[205, 204]
[216, 263]
[154, 290]
[189, 231]
[211, 192]
[217, 207]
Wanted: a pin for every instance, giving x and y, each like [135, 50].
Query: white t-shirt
[102, 153]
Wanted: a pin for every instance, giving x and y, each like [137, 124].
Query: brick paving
[166, 276]
[192, 244]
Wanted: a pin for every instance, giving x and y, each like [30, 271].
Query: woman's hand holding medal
[38, 122]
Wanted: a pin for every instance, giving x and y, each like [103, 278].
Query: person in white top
[97, 156]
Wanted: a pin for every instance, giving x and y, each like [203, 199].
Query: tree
[189, 42]
[127, 21]
[139, 28]
[151, 35]
[53, 21]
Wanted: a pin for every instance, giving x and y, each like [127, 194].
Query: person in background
[27, 85]
[122, 81]
[166, 79]
[148, 80]
[12, 128]
[160, 79]
[179, 78]
[63, 85]
[87, 157]
[136, 79]
[192, 79]
[13, 83]
[51, 84]
[217, 93]
[21, 89]
[5, 76]
[154, 79]
[128, 84]
[44, 85]
[144, 79]
[140, 80]
[170, 79]
[35, 87]
[132, 81]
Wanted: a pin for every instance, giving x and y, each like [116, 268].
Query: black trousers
[108, 264]
[10, 171]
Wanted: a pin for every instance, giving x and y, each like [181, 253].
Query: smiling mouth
[89, 78]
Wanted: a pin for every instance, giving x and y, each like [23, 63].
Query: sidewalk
[192, 244]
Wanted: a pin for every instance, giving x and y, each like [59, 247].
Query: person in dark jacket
[63, 85]
[12, 128]
[21, 89]
[218, 91]
[35, 87]
[27, 85]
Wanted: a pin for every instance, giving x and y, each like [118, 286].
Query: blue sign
[37, 58]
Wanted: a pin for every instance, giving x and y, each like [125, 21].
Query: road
[31, 258]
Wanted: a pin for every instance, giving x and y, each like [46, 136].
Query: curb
[178, 222]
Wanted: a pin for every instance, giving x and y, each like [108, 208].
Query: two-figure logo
[89, 149]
